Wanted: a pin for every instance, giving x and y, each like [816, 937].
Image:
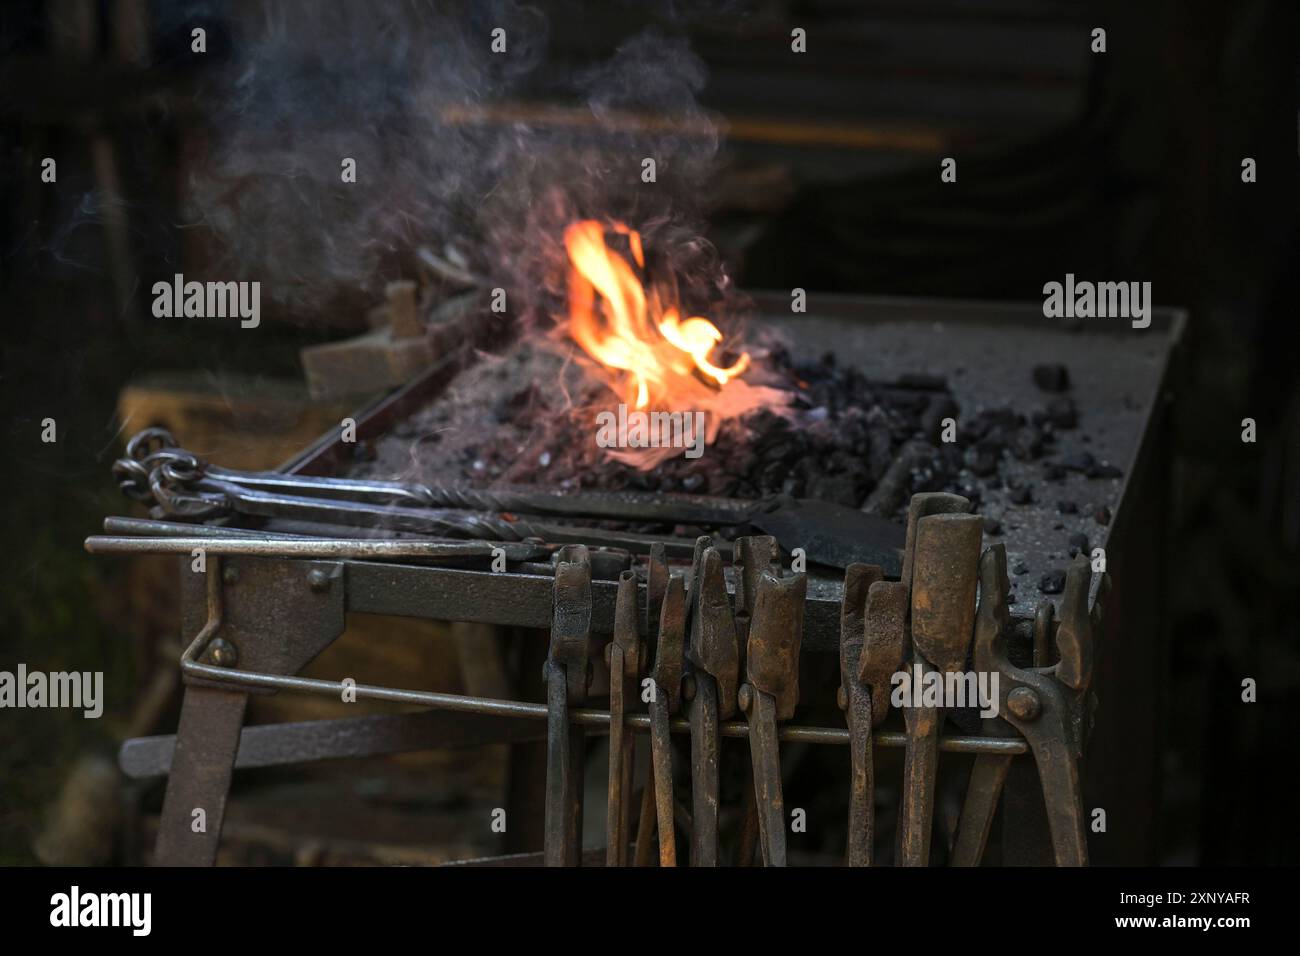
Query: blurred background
[1124, 164]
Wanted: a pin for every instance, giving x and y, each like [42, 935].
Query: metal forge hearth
[711, 616]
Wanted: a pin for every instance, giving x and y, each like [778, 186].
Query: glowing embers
[652, 358]
[625, 327]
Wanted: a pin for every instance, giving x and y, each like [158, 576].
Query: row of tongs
[716, 656]
[701, 649]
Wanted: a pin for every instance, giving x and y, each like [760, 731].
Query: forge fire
[656, 362]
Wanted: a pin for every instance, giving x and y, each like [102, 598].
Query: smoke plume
[490, 153]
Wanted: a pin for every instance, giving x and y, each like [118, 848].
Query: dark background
[1124, 165]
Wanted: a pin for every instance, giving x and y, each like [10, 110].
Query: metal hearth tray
[985, 351]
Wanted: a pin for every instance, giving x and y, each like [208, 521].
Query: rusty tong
[665, 700]
[939, 565]
[710, 689]
[770, 695]
[623, 655]
[1048, 705]
[567, 673]
[873, 639]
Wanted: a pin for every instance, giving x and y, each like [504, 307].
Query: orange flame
[630, 330]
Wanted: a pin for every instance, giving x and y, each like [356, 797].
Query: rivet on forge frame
[318, 580]
[1024, 703]
[688, 688]
[222, 653]
[745, 698]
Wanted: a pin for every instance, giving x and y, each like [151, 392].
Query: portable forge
[983, 542]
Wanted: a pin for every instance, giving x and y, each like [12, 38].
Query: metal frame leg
[207, 741]
[270, 616]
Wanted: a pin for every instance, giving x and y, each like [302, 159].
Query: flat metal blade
[834, 535]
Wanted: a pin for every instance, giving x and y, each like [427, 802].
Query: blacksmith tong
[711, 691]
[873, 640]
[771, 695]
[664, 702]
[567, 674]
[623, 655]
[656, 589]
[1049, 705]
[184, 484]
[940, 564]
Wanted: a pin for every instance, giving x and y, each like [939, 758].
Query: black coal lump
[1052, 377]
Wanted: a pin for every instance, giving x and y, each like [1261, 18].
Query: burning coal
[624, 326]
[634, 333]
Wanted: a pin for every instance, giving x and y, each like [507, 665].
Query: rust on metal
[855, 701]
[1048, 712]
[713, 647]
[885, 646]
[771, 695]
[943, 559]
[1074, 633]
[775, 633]
[567, 670]
[944, 580]
[752, 556]
[714, 655]
[922, 504]
[989, 772]
[624, 668]
[665, 701]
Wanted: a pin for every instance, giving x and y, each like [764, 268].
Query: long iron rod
[325, 548]
[638, 722]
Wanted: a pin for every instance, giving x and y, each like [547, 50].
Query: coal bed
[1049, 423]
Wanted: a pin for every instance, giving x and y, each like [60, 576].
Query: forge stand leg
[206, 743]
[275, 617]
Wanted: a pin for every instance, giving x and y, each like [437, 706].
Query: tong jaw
[753, 555]
[775, 634]
[1045, 705]
[667, 671]
[885, 647]
[1033, 692]
[1074, 634]
[873, 636]
[922, 505]
[714, 647]
[626, 635]
[656, 585]
[858, 579]
[571, 620]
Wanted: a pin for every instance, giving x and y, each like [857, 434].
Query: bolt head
[222, 653]
[318, 580]
[1024, 704]
[745, 698]
[688, 688]
[841, 698]
[230, 574]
